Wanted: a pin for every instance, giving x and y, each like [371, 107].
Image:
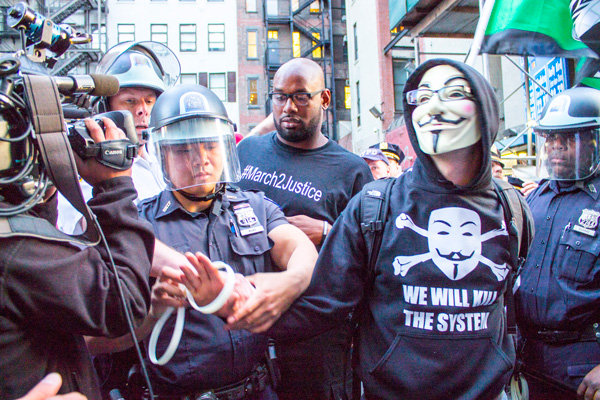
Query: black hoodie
[434, 326]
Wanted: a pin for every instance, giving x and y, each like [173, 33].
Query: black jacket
[433, 325]
[52, 293]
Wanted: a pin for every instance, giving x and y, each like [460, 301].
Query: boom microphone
[93, 84]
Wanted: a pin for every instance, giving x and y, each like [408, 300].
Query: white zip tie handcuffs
[210, 308]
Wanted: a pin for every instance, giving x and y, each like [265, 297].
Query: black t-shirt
[317, 182]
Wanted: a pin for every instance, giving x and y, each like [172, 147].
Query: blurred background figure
[378, 163]
[394, 154]
[497, 164]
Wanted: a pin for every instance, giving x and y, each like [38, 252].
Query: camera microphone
[93, 84]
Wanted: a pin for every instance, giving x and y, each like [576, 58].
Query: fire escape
[81, 15]
[301, 28]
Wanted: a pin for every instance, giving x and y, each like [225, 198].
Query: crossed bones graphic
[454, 238]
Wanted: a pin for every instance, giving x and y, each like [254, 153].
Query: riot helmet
[567, 135]
[193, 138]
[147, 64]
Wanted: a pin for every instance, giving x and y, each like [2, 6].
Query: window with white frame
[218, 84]
[216, 37]
[187, 37]
[188, 78]
[125, 32]
[158, 33]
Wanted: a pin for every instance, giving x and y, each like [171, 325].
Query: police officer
[558, 312]
[394, 154]
[144, 70]
[194, 142]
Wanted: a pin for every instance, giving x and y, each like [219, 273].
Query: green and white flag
[533, 28]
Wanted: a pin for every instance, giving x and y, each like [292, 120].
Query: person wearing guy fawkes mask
[433, 325]
[557, 302]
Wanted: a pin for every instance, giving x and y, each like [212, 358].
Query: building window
[158, 33]
[187, 37]
[253, 91]
[316, 52]
[189, 78]
[274, 35]
[315, 7]
[216, 37]
[251, 6]
[357, 104]
[125, 32]
[96, 43]
[296, 49]
[347, 98]
[217, 83]
[400, 76]
[355, 43]
[252, 44]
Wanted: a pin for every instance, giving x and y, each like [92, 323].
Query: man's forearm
[166, 256]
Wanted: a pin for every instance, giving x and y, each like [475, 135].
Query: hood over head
[486, 116]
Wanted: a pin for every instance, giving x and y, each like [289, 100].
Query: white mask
[445, 126]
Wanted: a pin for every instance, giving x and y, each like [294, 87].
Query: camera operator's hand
[47, 388]
[91, 170]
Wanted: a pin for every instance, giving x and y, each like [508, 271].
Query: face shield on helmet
[568, 155]
[567, 136]
[193, 139]
[147, 64]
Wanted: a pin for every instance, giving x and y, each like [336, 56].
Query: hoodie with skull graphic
[432, 323]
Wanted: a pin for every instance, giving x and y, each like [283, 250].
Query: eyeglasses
[447, 93]
[300, 98]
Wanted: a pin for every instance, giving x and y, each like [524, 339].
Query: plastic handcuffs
[210, 308]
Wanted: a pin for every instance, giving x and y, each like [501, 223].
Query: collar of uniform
[167, 204]
[590, 187]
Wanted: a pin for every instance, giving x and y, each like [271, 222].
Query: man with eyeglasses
[557, 303]
[431, 323]
[312, 178]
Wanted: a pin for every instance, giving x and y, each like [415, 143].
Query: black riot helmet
[568, 134]
[193, 138]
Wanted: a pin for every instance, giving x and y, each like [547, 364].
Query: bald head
[298, 120]
[302, 68]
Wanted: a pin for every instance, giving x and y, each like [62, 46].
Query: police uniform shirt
[208, 356]
[560, 281]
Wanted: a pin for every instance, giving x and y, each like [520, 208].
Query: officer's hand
[313, 228]
[275, 293]
[589, 389]
[166, 292]
[528, 187]
[205, 283]
[91, 170]
[47, 388]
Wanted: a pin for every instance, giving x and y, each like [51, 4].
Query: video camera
[31, 103]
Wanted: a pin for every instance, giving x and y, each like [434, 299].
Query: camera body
[117, 154]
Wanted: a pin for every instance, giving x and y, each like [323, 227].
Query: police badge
[247, 220]
[588, 222]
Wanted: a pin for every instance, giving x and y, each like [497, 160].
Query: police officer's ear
[325, 99]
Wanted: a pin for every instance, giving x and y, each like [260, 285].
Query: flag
[533, 28]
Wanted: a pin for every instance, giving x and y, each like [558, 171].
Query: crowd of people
[314, 308]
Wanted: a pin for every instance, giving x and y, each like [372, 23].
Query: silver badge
[246, 216]
[589, 219]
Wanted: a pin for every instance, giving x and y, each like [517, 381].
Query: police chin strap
[210, 308]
